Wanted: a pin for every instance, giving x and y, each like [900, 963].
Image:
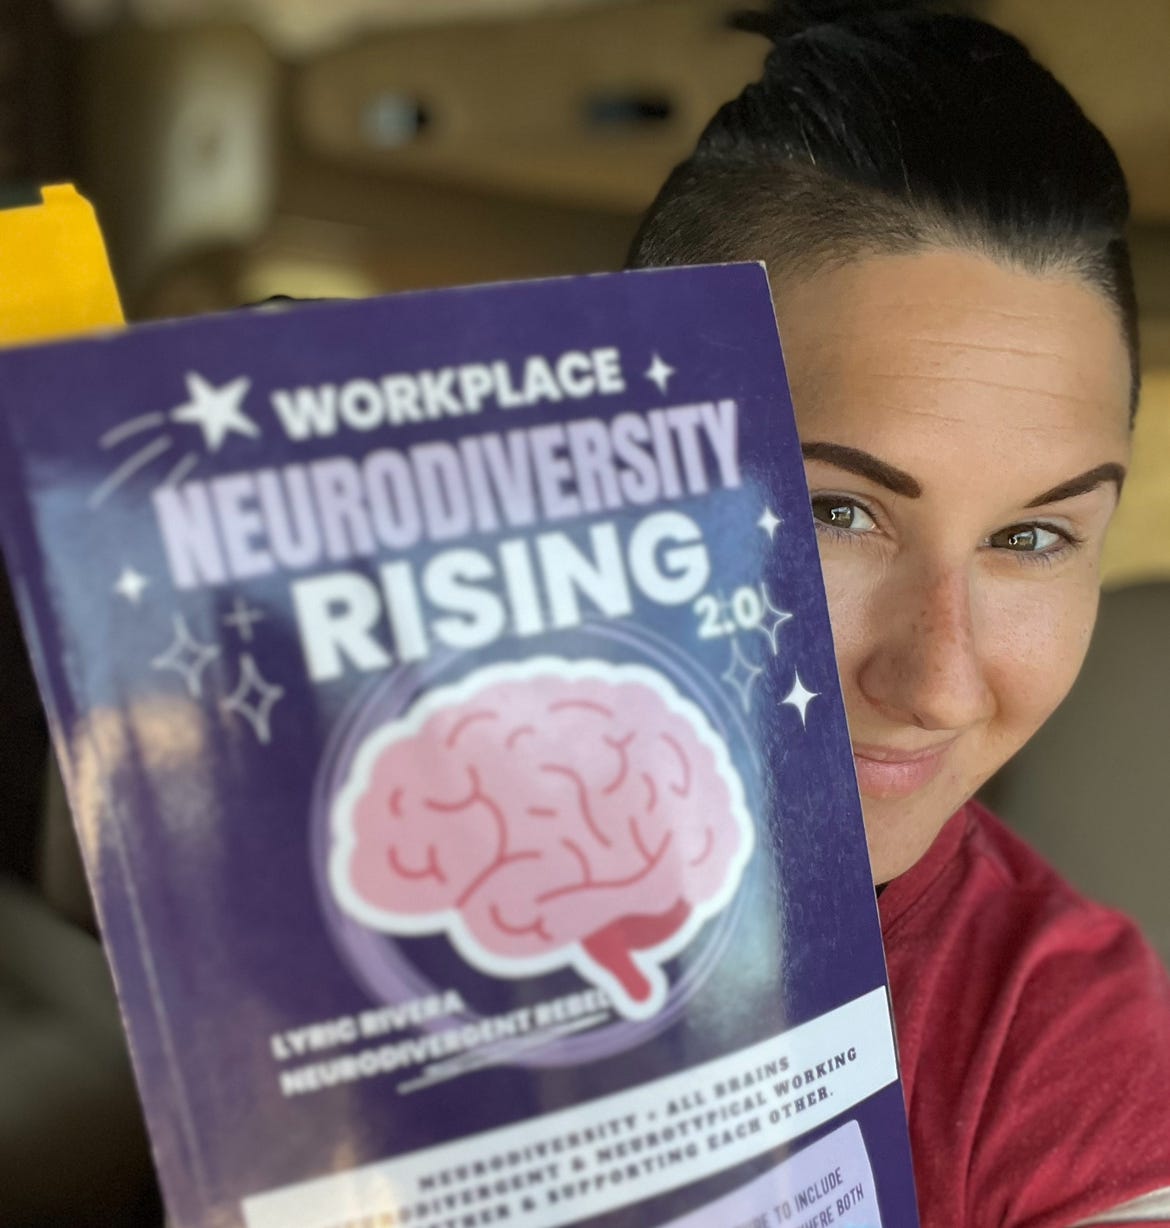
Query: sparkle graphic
[131, 584]
[218, 412]
[254, 698]
[774, 618]
[741, 675]
[659, 372]
[243, 618]
[187, 657]
[769, 522]
[799, 697]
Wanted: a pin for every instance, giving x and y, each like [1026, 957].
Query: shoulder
[1059, 948]
[986, 891]
[1035, 1030]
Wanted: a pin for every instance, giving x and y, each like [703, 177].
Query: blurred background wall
[240, 148]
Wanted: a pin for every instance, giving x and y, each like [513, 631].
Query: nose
[925, 666]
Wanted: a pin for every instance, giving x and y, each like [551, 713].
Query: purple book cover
[446, 700]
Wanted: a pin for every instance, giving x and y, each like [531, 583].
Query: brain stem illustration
[611, 945]
[546, 815]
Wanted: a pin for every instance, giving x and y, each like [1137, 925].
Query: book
[444, 692]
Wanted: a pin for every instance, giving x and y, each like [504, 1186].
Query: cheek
[1033, 638]
[852, 589]
[1030, 634]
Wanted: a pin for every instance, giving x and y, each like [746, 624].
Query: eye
[842, 514]
[1030, 539]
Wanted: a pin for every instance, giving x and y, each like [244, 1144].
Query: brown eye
[840, 513]
[841, 516]
[1028, 539]
[1015, 539]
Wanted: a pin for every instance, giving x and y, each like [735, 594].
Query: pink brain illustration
[544, 815]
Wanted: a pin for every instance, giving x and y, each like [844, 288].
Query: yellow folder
[55, 276]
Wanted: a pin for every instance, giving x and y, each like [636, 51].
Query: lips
[889, 772]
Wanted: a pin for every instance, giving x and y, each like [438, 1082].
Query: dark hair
[882, 127]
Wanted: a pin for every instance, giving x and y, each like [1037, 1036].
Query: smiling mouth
[886, 772]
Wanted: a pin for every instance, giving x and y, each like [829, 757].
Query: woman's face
[965, 430]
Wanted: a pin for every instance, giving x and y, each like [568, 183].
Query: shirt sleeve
[1076, 1126]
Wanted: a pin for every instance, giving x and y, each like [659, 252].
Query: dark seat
[73, 1148]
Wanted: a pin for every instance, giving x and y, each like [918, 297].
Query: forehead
[948, 347]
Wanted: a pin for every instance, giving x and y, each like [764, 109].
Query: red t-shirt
[1034, 1033]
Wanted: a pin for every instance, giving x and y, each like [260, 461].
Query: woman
[944, 232]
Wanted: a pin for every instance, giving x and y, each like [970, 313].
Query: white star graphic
[774, 618]
[217, 412]
[769, 522]
[740, 675]
[254, 698]
[659, 372]
[130, 585]
[799, 697]
[187, 657]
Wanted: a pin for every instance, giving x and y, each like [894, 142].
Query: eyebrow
[1082, 484]
[866, 465]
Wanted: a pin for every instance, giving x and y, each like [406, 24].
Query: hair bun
[785, 19]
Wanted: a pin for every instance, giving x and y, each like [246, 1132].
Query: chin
[902, 821]
[899, 832]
